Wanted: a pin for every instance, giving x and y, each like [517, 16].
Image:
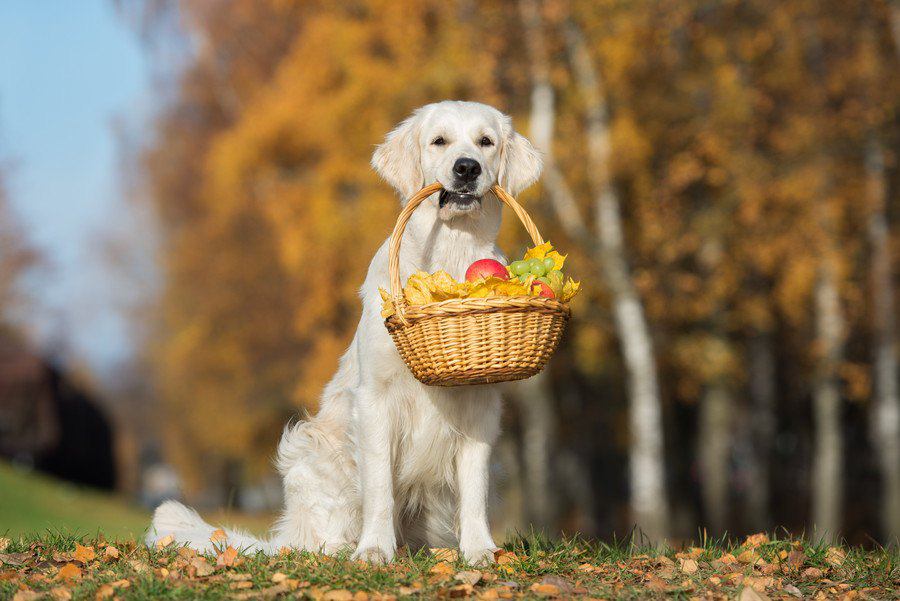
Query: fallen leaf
[544, 590]
[443, 554]
[110, 553]
[139, 566]
[727, 558]
[4, 543]
[104, 592]
[811, 573]
[279, 577]
[83, 554]
[238, 576]
[460, 590]
[227, 557]
[27, 595]
[360, 596]
[123, 583]
[748, 557]
[338, 595]
[165, 541]
[755, 540]
[69, 572]
[201, 567]
[790, 589]
[696, 552]
[60, 593]
[760, 583]
[561, 583]
[749, 594]
[470, 577]
[218, 535]
[241, 584]
[13, 559]
[688, 566]
[504, 557]
[835, 556]
[442, 568]
[796, 558]
[657, 584]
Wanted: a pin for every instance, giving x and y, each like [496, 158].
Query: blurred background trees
[724, 176]
[721, 173]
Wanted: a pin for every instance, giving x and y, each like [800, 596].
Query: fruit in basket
[543, 289]
[536, 267]
[486, 268]
[539, 273]
[519, 268]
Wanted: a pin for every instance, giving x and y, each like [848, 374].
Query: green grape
[549, 264]
[536, 266]
[519, 267]
[544, 279]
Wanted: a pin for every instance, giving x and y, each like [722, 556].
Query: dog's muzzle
[461, 199]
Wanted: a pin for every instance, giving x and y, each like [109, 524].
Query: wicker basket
[473, 340]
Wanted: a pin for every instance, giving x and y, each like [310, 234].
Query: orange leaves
[83, 554]
[218, 536]
[227, 557]
[69, 572]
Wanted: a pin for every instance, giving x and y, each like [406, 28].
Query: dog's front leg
[475, 541]
[378, 540]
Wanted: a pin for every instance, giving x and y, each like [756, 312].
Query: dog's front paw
[481, 556]
[375, 552]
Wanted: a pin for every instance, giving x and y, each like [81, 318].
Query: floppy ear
[397, 160]
[520, 165]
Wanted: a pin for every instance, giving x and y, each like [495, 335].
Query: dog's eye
[485, 141]
[439, 141]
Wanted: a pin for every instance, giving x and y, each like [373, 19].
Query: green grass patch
[31, 502]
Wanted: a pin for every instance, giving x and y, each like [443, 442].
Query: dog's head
[466, 146]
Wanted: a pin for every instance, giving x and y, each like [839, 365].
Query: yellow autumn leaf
[542, 251]
[570, 289]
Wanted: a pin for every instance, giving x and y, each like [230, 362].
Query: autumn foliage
[742, 142]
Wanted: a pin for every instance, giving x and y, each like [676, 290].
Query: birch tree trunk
[649, 501]
[885, 414]
[827, 474]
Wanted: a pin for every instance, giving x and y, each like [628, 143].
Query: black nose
[467, 170]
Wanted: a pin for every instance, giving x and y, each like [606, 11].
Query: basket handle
[406, 213]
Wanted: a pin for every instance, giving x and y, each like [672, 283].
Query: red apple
[486, 268]
[546, 290]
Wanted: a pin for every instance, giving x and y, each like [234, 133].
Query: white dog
[388, 460]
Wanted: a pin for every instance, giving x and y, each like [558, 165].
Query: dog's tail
[188, 528]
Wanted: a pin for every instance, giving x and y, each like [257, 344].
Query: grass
[34, 503]
[529, 567]
[31, 502]
[43, 524]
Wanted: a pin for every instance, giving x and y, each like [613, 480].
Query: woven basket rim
[475, 306]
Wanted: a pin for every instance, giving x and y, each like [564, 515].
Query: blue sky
[69, 71]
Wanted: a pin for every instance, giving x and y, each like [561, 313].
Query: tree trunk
[647, 469]
[827, 474]
[762, 417]
[885, 413]
[714, 454]
[533, 399]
